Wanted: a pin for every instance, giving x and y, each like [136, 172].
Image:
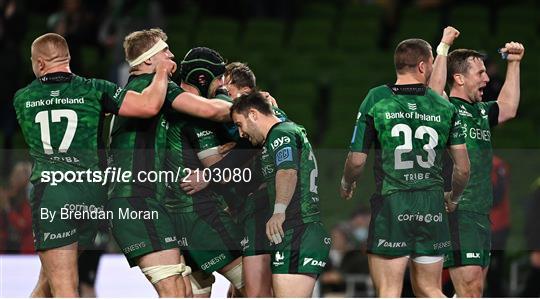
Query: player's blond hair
[51, 47]
[138, 42]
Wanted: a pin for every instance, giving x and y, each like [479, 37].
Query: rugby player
[469, 224]
[192, 144]
[60, 115]
[301, 243]
[138, 146]
[410, 125]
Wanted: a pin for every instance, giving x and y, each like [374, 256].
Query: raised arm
[148, 103]
[437, 80]
[508, 100]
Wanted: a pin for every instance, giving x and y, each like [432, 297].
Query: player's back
[412, 128]
[61, 117]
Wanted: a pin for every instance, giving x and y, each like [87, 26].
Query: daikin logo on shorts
[384, 243]
[53, 236]
[427, 218]
[314, 262]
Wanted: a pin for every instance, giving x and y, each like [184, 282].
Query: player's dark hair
[140, 41]
[409, 53]
[240, 75]
[458, 62]
[253, 100]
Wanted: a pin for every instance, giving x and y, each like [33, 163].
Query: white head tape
[159, 46]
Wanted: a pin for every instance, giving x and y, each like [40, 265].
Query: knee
[171, 287]
[258, 292]
[389, 292]
[473, 289]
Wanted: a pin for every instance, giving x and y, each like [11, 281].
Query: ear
[253, 114]
[244, 90]
[459, 79]
[148, 61]
[422, 67]
[41, 63]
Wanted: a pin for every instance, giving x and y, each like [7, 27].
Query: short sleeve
[112, 95]
[173, 90]
[283, 148]
[492, 108]
[457, 135]
[357, 141]
[203, 140]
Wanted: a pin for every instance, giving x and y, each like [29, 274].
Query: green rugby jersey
[61, 117]
[138, 145]
[186, 137]
[374, 95]
[287, 147]
[411, 131]
[477, 120]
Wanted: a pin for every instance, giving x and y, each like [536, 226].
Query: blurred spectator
[12, 31]
[348, 254]
[532, 239]
[500, 228]
[78, 25]
[493, 87]
[15, 220]
[124, 17]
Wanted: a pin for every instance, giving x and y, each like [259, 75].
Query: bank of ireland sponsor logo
[313, 262]
[279, 257]
[426, 218]
[55, 93]
[412, 106]
[387, 244]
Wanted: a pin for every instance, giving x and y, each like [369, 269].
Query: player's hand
[269, 97]
[514, 51]
[225, 148]
[274, 228]
[449, 35]
[193, 183]
[450, 204]
[167, 65]
[347, 193]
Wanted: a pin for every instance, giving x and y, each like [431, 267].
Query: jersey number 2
[406, 147]
[42, 118]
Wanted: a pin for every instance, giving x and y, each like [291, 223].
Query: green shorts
[209, 240]
[471, 239]
[58, 217]
[408, 223]
[304, 250]
[141, 226]
[258, 212]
